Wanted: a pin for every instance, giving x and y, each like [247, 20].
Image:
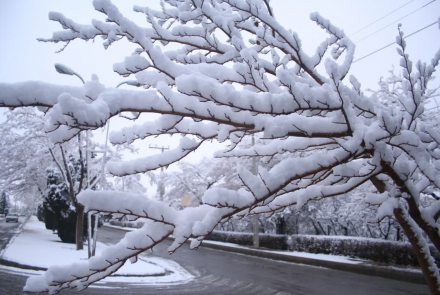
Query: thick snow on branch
[186, 146]
[35, 93]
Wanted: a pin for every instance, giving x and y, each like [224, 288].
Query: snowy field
[38, 247]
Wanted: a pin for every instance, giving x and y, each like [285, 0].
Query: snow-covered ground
[38, 247]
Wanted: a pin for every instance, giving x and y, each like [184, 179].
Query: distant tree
[25, 154]
[192, 180]
[225, 70]
[130, 183]
[4, 203]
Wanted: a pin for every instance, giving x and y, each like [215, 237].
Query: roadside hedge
[383, 251]
[275, 242]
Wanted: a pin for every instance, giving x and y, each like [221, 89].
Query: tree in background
[192, 180]
[4, 203]
[58, 212]
[26, 154]
[233, 71]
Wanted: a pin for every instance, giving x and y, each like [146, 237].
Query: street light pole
[62, 69]
[65, 70]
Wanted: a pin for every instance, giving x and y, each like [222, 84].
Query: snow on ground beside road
[37, 246]
[178, 276]
[121, 227]
[326, 257]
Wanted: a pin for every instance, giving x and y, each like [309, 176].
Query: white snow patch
[35, 238]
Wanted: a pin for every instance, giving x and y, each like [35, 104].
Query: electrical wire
[380, 18]
[413, 33]
[394, 22]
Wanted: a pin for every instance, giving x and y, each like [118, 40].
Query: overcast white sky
[23, 58]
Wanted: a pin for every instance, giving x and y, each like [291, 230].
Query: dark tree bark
[422, 257]
[79, 226]
[430, 276]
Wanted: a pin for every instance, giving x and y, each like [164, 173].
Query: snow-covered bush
[56, 204]
[276, 242]
[363, 248]
[226, 69]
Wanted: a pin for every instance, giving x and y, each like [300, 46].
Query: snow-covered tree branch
[226, 69]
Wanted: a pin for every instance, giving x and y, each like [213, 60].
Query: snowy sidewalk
[401, 273]
[37, 248]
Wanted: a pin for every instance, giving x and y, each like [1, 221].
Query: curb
[19, 265]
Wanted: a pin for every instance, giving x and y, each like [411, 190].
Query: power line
[413, 33]
[394, 22]
[380, 18]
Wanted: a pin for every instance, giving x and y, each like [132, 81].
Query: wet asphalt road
[219, 272]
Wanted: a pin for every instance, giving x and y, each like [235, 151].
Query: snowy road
[219, 272]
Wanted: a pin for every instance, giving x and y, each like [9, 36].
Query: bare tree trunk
[413, 210]
[262, 225]
[423, 255]
[354, 228]
[334, 228]
[95, 233]
[320, 226]
[316, 228]
[369, 230]
[55, 222]
[89, 234]
[79, 226]
[430, 273]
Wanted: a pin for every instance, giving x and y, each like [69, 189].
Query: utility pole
[161, 188]
[255, 221]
